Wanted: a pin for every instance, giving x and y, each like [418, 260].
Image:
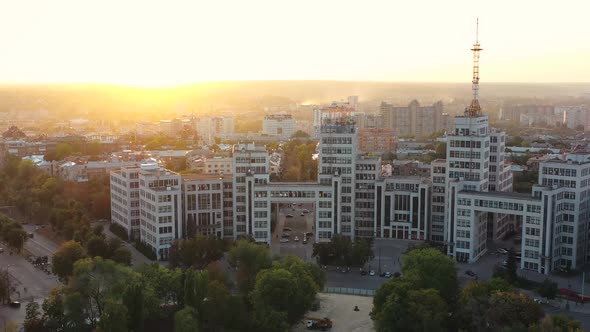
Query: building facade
[414, 119]
[279, 125]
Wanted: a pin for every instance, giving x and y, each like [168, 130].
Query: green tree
[217, 305]
[548, 289]
[271, 298]
[113, 317]
[441, 150]
[397, 306]
[196, 252]
[361, 252]
[97, 246]
[429, 268]
[511, 275]
[185, 320]
[33, 319]
[134, 301]
[64, 259]
[53, 310]
[249, 258]
[511, 308]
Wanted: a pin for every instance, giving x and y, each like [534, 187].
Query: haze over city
[179, 42]
[273, 166]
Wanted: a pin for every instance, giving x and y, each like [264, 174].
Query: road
[31, 283]
[137, 258]
[299, 225]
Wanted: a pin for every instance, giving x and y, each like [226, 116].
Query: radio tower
[474, 108]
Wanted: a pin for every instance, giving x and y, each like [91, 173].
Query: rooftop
[502, 194]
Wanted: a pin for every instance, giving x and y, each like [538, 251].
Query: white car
[284, 240]
[289, 216]
[296, 239]
[372, 273]
[539, 301]
[502, 251]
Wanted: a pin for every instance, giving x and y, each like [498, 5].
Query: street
[299, 225]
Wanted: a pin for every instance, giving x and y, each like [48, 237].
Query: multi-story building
[376, 140]
[203, 209]
[207, 128]
[413, 120]
[250, 169]
[125, 207]
[279, 125]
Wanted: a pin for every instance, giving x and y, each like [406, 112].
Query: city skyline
[143, 44]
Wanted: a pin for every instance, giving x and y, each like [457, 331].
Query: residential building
[281, 126]
[376, 140]
[414, 119]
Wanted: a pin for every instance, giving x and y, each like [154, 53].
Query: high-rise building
[414, 119]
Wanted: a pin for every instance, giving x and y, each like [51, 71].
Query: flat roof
[502, 194]
[201, 177]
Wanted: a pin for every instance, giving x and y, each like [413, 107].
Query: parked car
[287, 229]
[302, 214]
[289, 216]
[387, 275]
[284, 240]
[539, 301]
[372, 273]
[286, 234]
[363, 272]
[309, 234]
[14, 304]
[31, 235]
[305, 211]
[503, 251]
[470, 273]
[1, 250]
[296, 239]
[304, 240]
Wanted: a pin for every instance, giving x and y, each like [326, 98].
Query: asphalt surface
[299, 225]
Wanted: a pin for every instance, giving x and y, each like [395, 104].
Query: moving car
[503, 251]
[318, 323]
[372, 273]
[470, 273]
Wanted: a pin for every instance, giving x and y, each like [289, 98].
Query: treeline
[101, 295]
[342, 251]
[12, 233]
[42, 198]
[427, 298]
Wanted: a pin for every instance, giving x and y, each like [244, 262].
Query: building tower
[468, 155]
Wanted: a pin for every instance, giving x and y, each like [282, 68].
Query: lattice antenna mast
[474, 108]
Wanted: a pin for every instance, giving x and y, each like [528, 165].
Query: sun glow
[154, 44]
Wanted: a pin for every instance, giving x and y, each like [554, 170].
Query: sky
[151, 42]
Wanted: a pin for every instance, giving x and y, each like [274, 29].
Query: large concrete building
[414, 119]
[281, 126]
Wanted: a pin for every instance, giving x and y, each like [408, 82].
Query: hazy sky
[169, 42]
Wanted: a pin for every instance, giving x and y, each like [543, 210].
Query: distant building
[208, 128]
[278, 125]
[576, 117]
[529, 115]
[376, 140]
[414, 120]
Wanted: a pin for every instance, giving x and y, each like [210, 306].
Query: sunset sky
[175, 42]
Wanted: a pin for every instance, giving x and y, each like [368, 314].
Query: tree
[134, 302]
[167, 284]
[249, 258]
[217, 305]
[475, 302]
[441, 150]
[33, 319]
[217, 273]
[185, 320]
[429, 268]
[97, 246]
[511, 276]
[300, 134]
[14, 235]
[548, 289]
[196, 252]
[5, 287]
[361, 251]
[114, 317]
[511, 308]
[271, 298]
[398, 306]
[559, 323]
[64, 259]
[53, 310]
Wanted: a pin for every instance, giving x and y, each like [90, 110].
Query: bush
[145, 250]
[119, 231]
